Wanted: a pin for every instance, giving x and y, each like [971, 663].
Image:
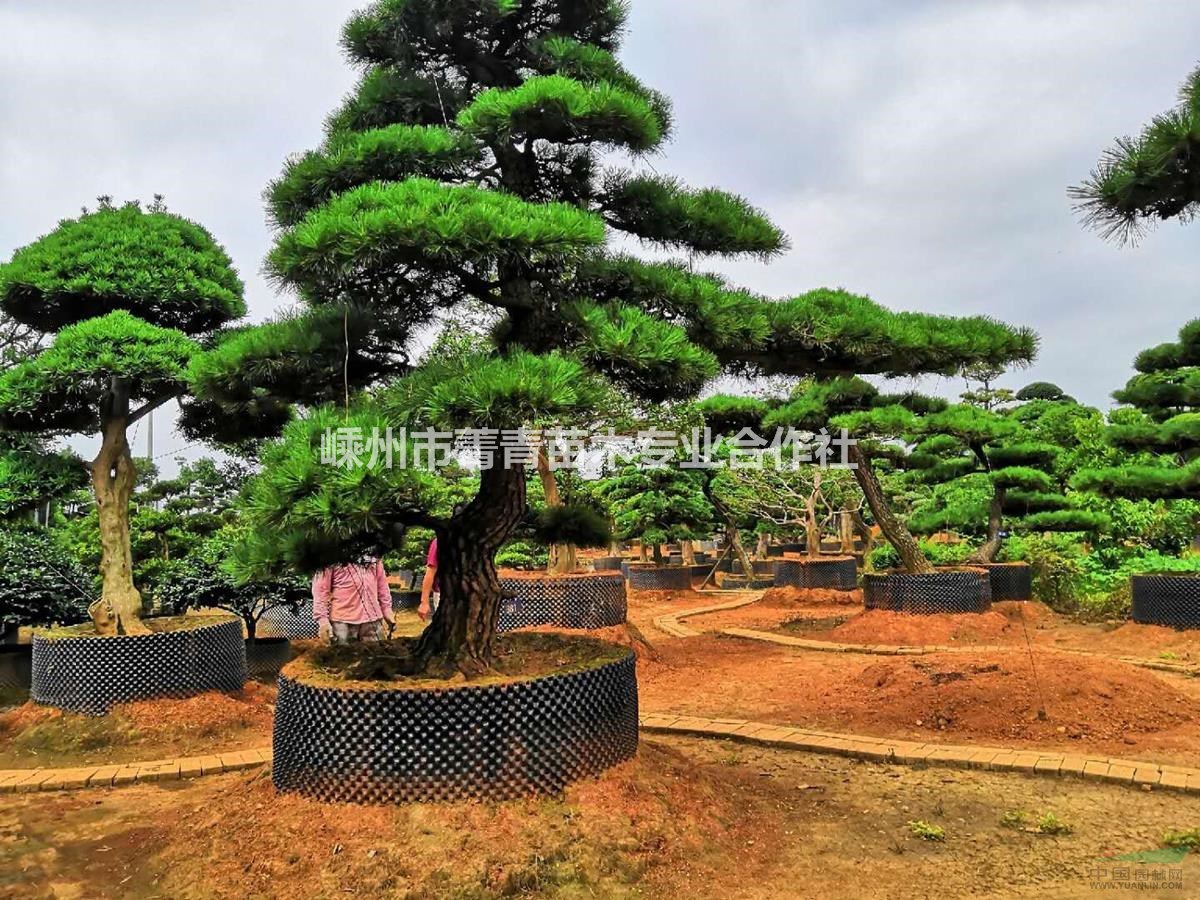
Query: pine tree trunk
[689, 553]
[462, 633]
[812, 528]
[911, 557]
[991, 547]
[119, 609]
[562, 556]
[760, 549]
[863, 530]
[846, 530]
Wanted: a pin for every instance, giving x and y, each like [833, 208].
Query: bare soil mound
[657, 821]
[33, 735]
[997, 696]
[905, 629]
[790, 597]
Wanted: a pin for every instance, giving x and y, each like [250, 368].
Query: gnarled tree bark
[119, 609]
[893, 529]
[461, 634]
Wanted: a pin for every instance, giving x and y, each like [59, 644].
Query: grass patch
[1047, 823]
[1189, 839]
[926, 831]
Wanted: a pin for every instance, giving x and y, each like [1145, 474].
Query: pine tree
[964, 443]
[658, 505]
[473, 163]
[1151, 178]
[1160, 423]
[129, 294]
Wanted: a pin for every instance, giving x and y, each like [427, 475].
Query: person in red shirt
[351, 600]
[429, 592]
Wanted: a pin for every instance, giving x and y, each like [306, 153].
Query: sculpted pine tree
[658, 504]
[964, 442]
[1161, 424]
[473, 163]
[128, 293]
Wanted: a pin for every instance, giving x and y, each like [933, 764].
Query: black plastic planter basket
[1010, 581]
[90, 674]
[266, 656]
[1172, 600]
[16, 667]
[580, 601]
[839, 574]
[495, 742]
[777, 550]
[405, 600]
[297, 626]
[658, 578]
[607, 563]
[742, 583]
[764, 568]
[959, 591]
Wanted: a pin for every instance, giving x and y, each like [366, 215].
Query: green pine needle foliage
[728, 414]
[835, 330]
[305, 514]
[505, 392]
[663, 211]
[653, 358]
[387, 97]
[728, 321]
[575, 524]
[158, 266]
[421, 221]
[58, 390]
[658, 504]
[349, 159]
[563, 110]
[1161, 426]
[1143, 180]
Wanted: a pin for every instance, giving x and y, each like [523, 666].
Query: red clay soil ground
[990, 698]
[32, 735]
[1007, 623]
[779, 606]
[688, 818]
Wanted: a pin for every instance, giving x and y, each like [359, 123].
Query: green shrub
[523, 555]
[40, 582]
[1189, 839]
[940, 554]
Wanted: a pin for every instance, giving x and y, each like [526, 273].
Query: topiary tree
[1014, 469]
[875, 425]
[1043, 390]
[657, 505]
[31, 475]
[1161, 424]
[129, 294]
[1153, 177]
[472, 164]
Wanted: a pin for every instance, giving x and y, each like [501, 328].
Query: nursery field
[742, 819]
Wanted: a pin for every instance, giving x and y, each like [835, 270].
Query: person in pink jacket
[351, 600]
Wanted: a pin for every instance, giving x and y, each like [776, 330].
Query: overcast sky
[918, 152]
